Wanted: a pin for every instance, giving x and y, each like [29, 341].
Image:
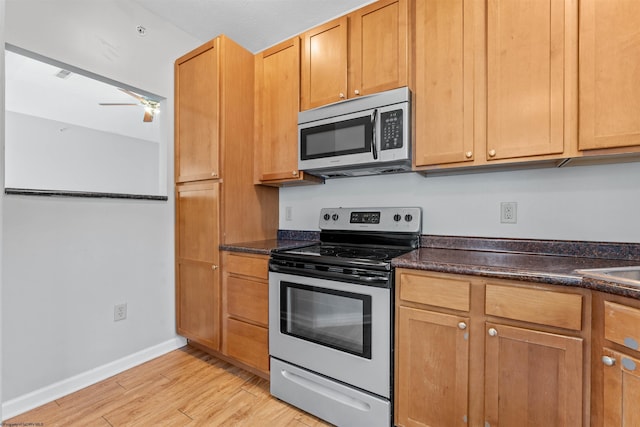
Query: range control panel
[400, 219]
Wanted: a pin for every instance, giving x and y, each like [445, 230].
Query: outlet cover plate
[119, 312]
[509, 212]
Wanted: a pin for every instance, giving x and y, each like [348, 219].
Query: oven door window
[336, 139]
[333, 318]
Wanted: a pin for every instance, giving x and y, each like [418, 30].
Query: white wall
[70, 260]
[51, 155]
[2, 9]
[594, 203]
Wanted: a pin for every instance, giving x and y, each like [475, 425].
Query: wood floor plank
[186, 387]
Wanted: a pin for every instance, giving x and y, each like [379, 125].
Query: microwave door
[329, 143]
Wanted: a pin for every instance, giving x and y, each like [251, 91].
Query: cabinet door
[621, 390]
[378, 47]
[432, 371]
[324, 64]
[196, 115]
[532, 377]
[197, 273]
[526, 77]
[609, 67]
[278, 94]
[444, 85]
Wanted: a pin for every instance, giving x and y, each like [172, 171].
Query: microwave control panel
[391, 130]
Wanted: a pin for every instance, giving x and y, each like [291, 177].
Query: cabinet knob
[608, 361]
[356, 92]
[341, 95]
[493, 332]
[214, 267]
[462, 325]
[492, 153]
[468, 154]
[214, 173]
[294, 173]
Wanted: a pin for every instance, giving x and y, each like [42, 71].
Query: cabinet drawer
[248, 299]
[535, 305]
[622, 324]
[436, 291]
[248, 266]
[248, 343]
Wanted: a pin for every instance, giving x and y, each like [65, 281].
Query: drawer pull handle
[608, 361]
[214, 267]
[462, 325]
[493, 332]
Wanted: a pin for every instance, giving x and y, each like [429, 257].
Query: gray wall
[595, 203]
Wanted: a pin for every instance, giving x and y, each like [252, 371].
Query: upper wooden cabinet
[445, 56]
[527, 53]
[609, 70]
[197, 109]
[359, 54]
[495, 81]
[378, 43]
[324, 64]
[277, 74]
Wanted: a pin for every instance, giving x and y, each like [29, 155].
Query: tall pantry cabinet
[216, 200]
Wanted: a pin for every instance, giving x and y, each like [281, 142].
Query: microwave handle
[374, 149]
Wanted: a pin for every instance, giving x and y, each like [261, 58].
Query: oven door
[341, 330]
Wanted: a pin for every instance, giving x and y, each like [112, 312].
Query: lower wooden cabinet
[197, 261]
[474, 352]
[437, 374]
[245, 317]
[615, 400]
[621, 391]
[534, 376]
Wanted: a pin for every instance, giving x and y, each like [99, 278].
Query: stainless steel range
[331, 315]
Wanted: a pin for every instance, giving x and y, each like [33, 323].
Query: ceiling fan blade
[135, 95]
[148, 116]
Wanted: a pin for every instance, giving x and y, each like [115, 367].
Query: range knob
[397, 217]
[327, 217]
[335, 217]
[408, 217]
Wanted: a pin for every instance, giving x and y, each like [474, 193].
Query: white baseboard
[54, 391]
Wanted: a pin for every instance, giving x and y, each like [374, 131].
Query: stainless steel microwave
[362, 136]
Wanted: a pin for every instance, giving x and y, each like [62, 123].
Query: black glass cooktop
[346, 252]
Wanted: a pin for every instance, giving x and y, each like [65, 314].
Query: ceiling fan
[150, 107]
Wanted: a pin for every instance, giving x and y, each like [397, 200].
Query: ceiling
[254, 24]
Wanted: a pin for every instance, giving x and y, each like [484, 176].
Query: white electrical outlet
[509, 212]
[119, 312]
[288, 213]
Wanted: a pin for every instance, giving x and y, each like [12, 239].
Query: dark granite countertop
[547, 269]
[550, 262]
[264, 247]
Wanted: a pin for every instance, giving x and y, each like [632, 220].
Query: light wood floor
[186, 387]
